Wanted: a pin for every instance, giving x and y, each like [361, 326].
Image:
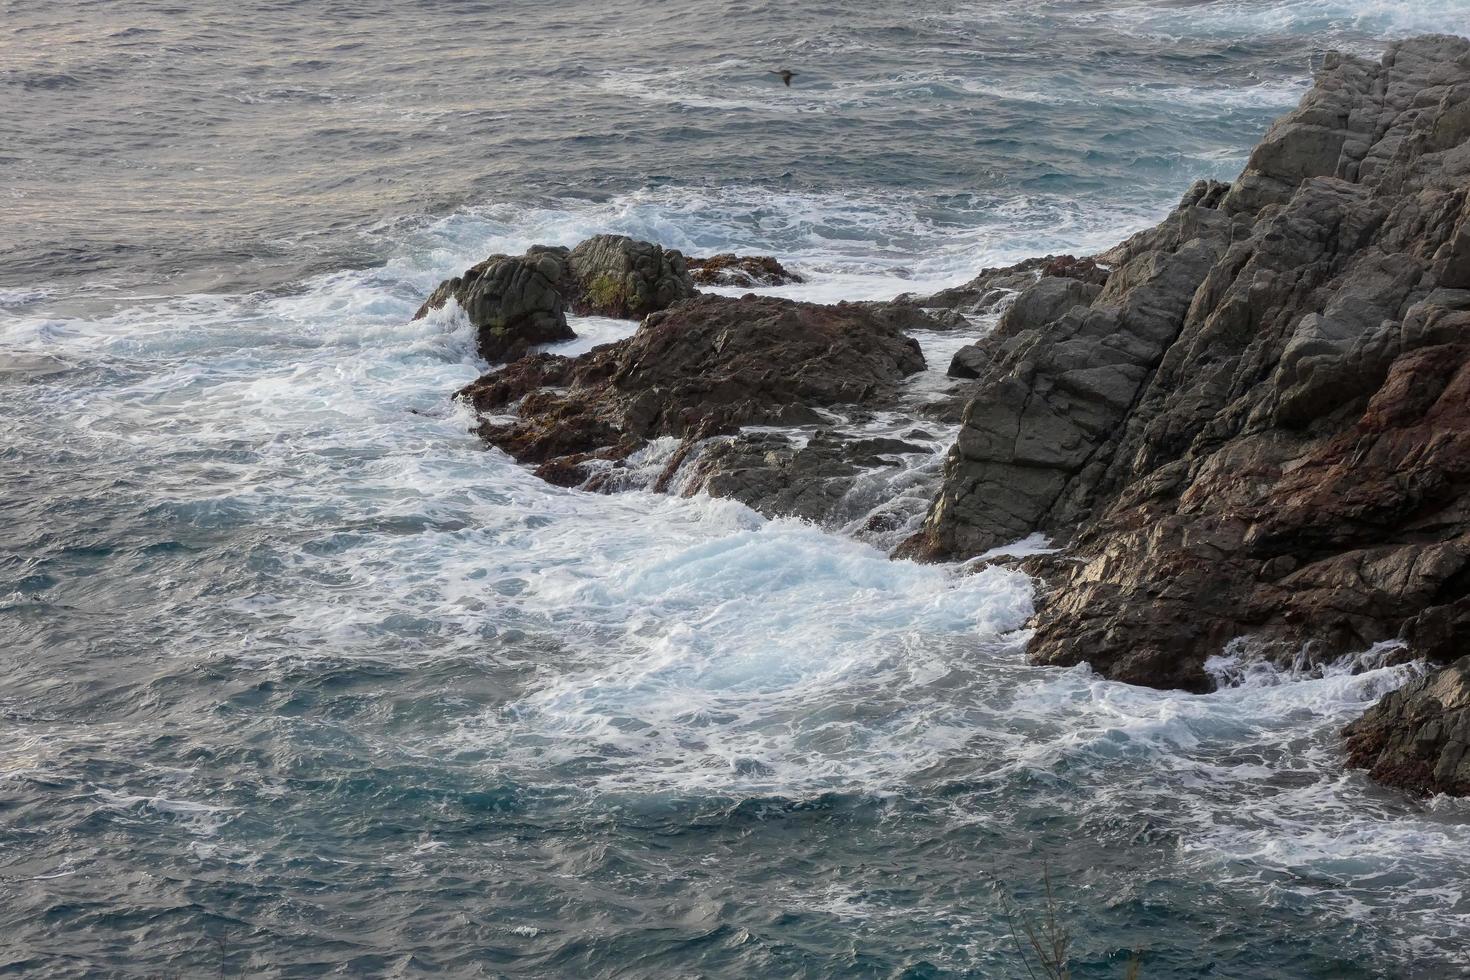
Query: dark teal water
[297, 680]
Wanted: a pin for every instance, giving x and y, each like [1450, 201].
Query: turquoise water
[297, 679]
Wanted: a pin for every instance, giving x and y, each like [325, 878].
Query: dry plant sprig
[1048, 941]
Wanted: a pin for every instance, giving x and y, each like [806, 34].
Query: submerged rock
[729, 269]
[513, 302]
[705, 368]
[1418, 737]
[1258, 426]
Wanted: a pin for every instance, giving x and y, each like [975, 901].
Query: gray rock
[989, 292]
[513, 302]
[1418, 737]
[993, 289]
[1057, 392]
[517, 302]
[970, 362]
[1035, 306]
[1259, 428]
[814, 481]
[614, 275]
[1048, 298]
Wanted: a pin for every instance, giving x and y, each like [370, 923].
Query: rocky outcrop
[1056, 389]
[705, 368]
[1036, 306]
[518, 302]
[969, 362]
[616, 276]
[1418, 737]
[1258, 427]
[729, 269]
[513, 302]
[1248, 425]
[820, 478]
[909, 318]
[992, 289]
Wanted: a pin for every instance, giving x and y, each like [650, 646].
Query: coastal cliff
[1259, 429]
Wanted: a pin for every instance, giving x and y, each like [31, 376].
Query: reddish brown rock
[729, 269]
[1071, 267]
[705, 367]
[1258, 429]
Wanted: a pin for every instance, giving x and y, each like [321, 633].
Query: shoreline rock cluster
[705, 368]
[728, 269]
[1249, 424]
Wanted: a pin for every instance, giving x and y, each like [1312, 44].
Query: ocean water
[297, 679]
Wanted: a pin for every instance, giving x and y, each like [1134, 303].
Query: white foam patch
[1032, 544]
[593, 331]
[776, 658]
[197, 818]
[1132, 719]
[1322, 21]
[24, 296]
[1250, 780]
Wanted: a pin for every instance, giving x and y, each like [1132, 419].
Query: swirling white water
[298, 677]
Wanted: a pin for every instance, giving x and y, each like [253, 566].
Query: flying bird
[785, 74]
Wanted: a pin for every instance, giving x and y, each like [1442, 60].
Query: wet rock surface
[1257, 425]
[1034, 307]
[831, 477]
[1418, 737]
[908, 317]
[706, 368]
[729, 269]
[513, 302]
[992, 289]
[519, 302]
